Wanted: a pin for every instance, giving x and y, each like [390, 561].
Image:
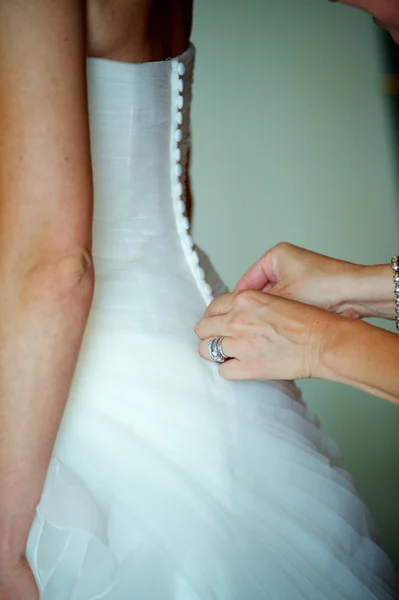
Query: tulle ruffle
[282, 522]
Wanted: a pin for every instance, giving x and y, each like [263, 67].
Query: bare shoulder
[137, 30]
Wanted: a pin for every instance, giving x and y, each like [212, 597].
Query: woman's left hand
[265, 336]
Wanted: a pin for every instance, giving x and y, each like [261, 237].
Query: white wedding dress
[167, 482]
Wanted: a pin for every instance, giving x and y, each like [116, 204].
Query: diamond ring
[215, 350]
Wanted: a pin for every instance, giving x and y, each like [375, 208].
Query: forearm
[43, 316]
[362, 356]
[368, 290]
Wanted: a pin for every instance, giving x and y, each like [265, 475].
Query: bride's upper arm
[45, 168]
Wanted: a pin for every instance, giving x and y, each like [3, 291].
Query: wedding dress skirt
[167, 482]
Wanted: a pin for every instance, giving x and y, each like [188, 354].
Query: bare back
[138, 30]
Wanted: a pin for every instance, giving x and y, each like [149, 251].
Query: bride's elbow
[74, 270]
[62, 276]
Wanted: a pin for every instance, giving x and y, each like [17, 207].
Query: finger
[235, 370]
[211, 327]
[228, 347]
[259, 276]
[220, 306]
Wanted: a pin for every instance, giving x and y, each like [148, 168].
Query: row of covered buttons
[183, 222]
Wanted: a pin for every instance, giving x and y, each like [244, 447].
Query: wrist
[335, 350]
[324, 336]
[367, 292]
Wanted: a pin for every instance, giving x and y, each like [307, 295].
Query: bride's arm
[46, 275]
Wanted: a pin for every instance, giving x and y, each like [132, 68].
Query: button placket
[180, 206]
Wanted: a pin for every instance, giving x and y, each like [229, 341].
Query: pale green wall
[291, 142]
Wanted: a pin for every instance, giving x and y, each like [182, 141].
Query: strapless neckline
[183, 57]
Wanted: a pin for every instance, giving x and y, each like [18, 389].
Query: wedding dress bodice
[166, 481]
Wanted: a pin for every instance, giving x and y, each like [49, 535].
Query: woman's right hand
[345, 288]
[17, 582]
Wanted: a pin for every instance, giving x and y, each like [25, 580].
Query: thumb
[260, 276]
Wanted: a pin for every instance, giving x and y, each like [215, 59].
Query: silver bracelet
[395, 269]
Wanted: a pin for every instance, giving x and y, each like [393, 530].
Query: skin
[335, 285]
[296, 315]
[45, 222]
[46, 200]
[45, 265]
[288, 317]
[384, 12]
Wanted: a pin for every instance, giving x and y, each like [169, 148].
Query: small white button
[179, 189]
[195, 258]
[180, 85]
[179, 170]
[201, 272]
[185, 223]
[179, 135]
[181, 68]
[182, 206]
[179, 117]
[190, 241]
[208, 289]
[180, 102]
[178, 154]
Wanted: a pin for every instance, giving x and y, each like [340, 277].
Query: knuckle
[284, 250]
[238, 320]
[245, 323]
[210, 308]
[247, 298]
[283, 247]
